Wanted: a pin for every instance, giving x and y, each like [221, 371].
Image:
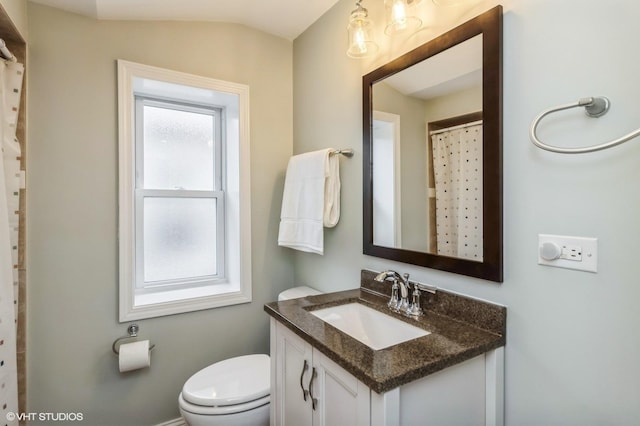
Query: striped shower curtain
[11, 74]
[457, 164]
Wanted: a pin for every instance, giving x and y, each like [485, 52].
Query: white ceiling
[283, 18]
[457, 68]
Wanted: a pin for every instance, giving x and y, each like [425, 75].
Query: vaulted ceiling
[283, 18]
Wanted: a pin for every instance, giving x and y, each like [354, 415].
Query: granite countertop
[460, 328]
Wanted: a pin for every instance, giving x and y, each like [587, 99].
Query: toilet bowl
[234, 391]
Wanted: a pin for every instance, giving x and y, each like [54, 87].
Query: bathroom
[570, 357]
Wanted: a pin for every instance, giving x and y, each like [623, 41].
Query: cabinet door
[293, 374]
[341, 399]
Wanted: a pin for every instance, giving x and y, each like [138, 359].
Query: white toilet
[235, 391]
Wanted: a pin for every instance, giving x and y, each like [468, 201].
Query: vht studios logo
[45, 417]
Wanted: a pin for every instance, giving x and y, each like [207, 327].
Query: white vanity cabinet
[469, 393]
[310, 389]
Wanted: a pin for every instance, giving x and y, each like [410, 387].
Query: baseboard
[175, 422]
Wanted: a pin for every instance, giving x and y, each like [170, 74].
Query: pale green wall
[72, 204]
[572, 338]
[572, 343]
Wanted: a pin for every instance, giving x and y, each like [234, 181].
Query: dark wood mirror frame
[489, 24]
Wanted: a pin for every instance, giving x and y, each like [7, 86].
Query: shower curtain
[11, 74]
[457, 166]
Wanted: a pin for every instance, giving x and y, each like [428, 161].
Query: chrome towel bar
[594, 107]
[347, 152]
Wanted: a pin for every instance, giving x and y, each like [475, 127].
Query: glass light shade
[401, 16]
[361, 44]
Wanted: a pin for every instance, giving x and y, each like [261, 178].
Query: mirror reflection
[427, 155]
[432, 145]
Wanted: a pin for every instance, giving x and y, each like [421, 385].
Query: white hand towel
[311, 200]
[332, 191]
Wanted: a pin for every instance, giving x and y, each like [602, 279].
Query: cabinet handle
[305, 392]
[314, 401]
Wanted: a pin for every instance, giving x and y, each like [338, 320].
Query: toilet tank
[295, 292]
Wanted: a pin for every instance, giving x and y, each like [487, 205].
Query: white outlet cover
[589, 251]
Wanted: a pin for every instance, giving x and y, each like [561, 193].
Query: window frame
[233, 98]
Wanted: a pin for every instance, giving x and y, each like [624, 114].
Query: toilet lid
[229, 382]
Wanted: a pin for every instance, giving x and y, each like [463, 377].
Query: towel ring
[133, 332]
[594, 107]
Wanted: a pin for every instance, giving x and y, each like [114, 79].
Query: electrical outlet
[580, 253]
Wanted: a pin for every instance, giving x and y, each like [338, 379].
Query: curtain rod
[5, 52]
[461, 126]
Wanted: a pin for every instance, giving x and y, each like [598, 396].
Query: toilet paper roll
[133, 356]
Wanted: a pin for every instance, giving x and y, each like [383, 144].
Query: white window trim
[239, 197]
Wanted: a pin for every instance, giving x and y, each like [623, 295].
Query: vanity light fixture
[401, 16]
[361, 44]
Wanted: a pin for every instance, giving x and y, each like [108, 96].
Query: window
[184, 192]
[179, 196]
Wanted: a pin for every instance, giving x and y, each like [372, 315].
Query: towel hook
[133, 332]
[594, 107]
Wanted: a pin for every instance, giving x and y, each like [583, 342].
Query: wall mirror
[432, 144]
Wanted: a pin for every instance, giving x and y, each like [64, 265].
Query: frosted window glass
[178, 149]
[179, 238]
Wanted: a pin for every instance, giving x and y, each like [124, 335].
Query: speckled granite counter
[461, 328]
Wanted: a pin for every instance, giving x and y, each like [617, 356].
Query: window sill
[178, 295]
[185, 300]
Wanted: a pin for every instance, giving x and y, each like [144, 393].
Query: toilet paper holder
[133, 332]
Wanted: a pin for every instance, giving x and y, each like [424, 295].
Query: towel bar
[347, 152]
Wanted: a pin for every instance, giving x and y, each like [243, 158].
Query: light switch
[580, 253]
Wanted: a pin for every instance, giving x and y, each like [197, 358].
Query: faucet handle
[415, 310]
[393, 302]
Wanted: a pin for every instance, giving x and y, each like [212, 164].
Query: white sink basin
[371, 327]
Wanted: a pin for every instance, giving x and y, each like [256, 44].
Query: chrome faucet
[401, 282]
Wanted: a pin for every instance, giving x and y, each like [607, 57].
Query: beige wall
[413, 147]
[72, 211]
[17, 11]
[572, 340]
[454, 104]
